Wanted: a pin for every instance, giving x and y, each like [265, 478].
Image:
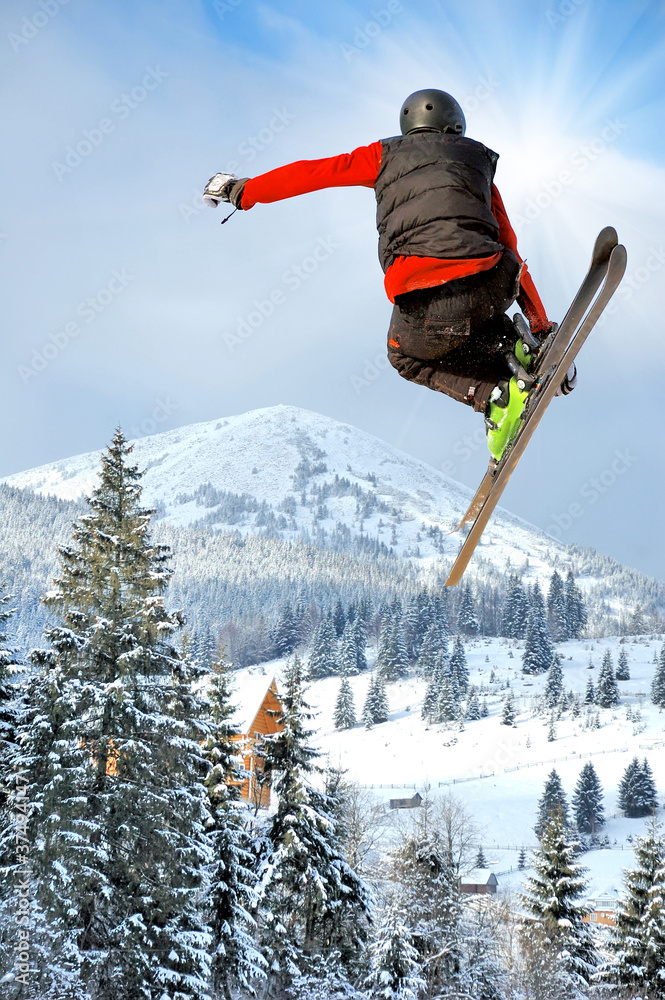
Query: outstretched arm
[528, 300]
[361, 167]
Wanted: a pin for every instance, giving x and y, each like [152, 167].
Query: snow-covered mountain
[295, 472]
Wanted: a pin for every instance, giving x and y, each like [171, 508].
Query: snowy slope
[278, 457]
[489, 766]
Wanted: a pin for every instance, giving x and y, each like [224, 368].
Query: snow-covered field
[497, 771]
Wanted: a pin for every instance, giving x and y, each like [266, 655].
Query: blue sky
[129, 291]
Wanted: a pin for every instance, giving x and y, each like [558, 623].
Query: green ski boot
[503, 416]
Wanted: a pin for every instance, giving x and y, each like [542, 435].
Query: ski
[607, 269]
[605, 242]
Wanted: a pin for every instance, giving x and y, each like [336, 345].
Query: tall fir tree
[433, 646]
[9, 667]
[638, 937]
[231, 897]
[339, 618]
[467, 619]
[554, 894]
[508, 712]
[394, 968]
[311, 902]
[360, 635]
[553, 800]
[554, 685]
[391, 658]
[587, 801]
[459, 671]
[607, 690]
[286, 635]
[637, 789]
[623, 668]
[538, 648]
[345, 712]
[111, 747]
[576, 612]
[375, 708]
[447, 708]
[515, 611]
[430, 709]
[557, 617]
[658, 682]
[323, 656]
[348, 652]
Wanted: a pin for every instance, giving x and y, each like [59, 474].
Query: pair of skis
[608, 264]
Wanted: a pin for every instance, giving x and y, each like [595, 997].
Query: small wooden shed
[478, 881]
[259, 713]
[413, 803]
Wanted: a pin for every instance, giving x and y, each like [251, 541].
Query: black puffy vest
[434, 196]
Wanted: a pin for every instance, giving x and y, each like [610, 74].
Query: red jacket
[361, 167]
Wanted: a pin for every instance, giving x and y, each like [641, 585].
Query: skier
[448, 252]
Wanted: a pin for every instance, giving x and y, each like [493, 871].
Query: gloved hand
[224, 187]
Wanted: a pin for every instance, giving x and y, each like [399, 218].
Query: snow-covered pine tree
[345, 711]
[554, 684]
[508, 711]
[434, 645]
[638, 937]
[236, 962]
[607, 690]
[459, 671]
[484, 709]
[339, 618]
[552, 895]
[637, 789]
[576, 613]
[391, 658]
[538, 648]
[590, 693]
[658, 682]
[310, 900]
[473, 706]
[521, 859]
[481, 860]
[348, 652]
[394, 968]
[587, 801]
[430, 709]
[110, 744]
[467, 619]
[553, 801]
[556, 609]
[323, 656]
[515, 611]
[447, 706]
[286, 635]
[360, 636]
[375, 708]
[551, 729]
[623, 669]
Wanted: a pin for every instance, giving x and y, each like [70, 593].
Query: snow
[489, 766]
[257, 453]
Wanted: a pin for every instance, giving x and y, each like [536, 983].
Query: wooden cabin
[259, 712]
[413, 803]
[479, 881]
[603, 909]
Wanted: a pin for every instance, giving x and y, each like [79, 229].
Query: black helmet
[431, 111]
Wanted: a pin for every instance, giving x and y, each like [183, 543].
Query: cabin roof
[248, 694]
[479, 876]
